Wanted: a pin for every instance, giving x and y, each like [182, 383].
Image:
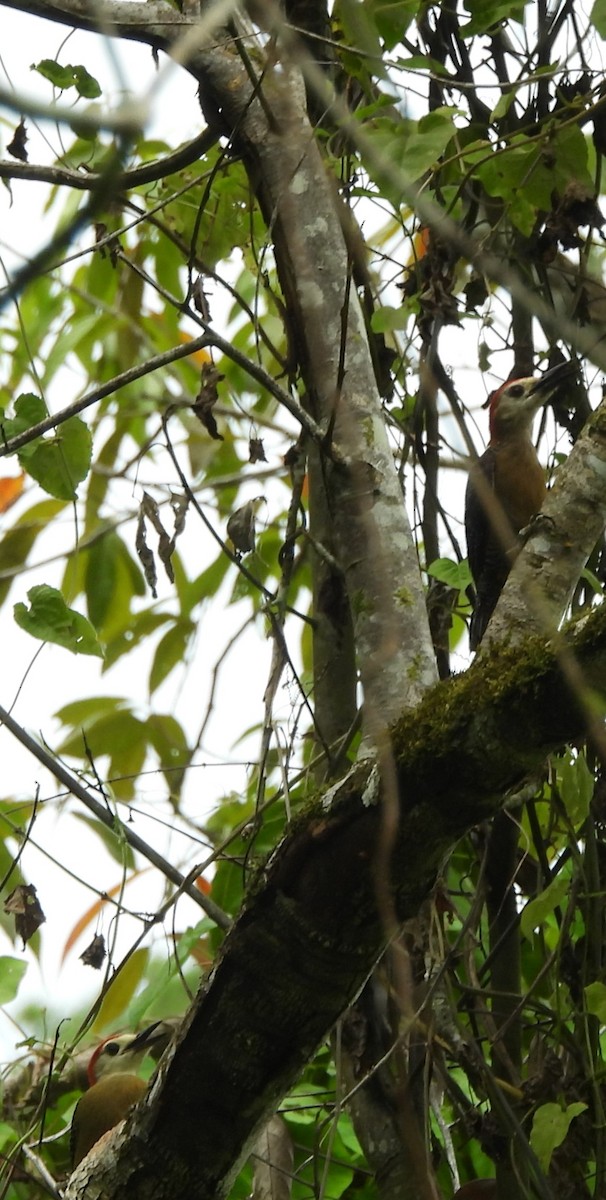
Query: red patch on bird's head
[102, 1048]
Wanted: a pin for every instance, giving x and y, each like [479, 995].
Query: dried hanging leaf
[24, 905]
[179, 505]
[11, 487]
[207, 398]
[166, 545]
[256, 450]
[95, 953]
[146, 557]
[241, 526]
[18, 145]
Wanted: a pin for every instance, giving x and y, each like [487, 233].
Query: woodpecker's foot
[540, 520]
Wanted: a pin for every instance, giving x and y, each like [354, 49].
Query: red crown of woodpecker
[513, 405]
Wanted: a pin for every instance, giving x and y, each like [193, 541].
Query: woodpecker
[113, 1086]
[505, 489]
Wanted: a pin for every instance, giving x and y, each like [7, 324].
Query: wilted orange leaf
[199, 356]
[11, 487]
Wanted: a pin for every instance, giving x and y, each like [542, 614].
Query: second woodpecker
[505, 490]
[113, 1085]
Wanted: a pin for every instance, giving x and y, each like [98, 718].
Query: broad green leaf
[595, 999]
[60, 76]
[68, 338]
[100, 576]
[576, 786]
[170, 743]
[29, 410]
[537, 911]
[170, 652]
[17, 542]
[86, 85]
[50, 620]
[549, 1128]
[164, 992]
[455, 574]
[123, 738]
[414, 145]
[121, 991]
[61, 462]
[598, 17]
[138, 627]
[64, 77]
[386, 319]
[12, 971]
[487, 13]
[111, 580]
[83, 712]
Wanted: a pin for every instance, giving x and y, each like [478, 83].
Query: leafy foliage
[131, 512]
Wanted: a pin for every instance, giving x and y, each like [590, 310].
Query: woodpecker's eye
[112, 1048]
[515, 390]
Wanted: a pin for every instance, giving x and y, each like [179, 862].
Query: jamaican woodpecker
[113, 1086]
[505, 490]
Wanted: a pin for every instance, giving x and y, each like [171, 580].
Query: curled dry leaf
[24, 906]
[146, 557]
[17, 147]
[207, 398]
[256, 450]
[149, 510]
[95, 953]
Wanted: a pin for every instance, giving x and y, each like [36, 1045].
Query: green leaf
[576, 785]
[86, 85]
[29, 410]
[487, 13]
[456, 574]
[12, 971]
[64, 77]
[170, 652]
[393, 18]
[18, 541]
[121, 990]
[598, 17]
[60, 463]
[50, 620]
[550, 1127]
[170, 743]
[416, 145]
[595, 999]
[537, 911]
[100, 576]
[386, 319]
[83, 712]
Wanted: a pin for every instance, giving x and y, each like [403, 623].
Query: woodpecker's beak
[550, 381]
